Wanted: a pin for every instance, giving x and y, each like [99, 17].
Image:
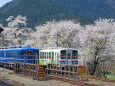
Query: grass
[102, 78]
[111, 78]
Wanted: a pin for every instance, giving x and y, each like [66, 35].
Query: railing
[72, 72]
[36, 72]
[27, 65]
[27, 59]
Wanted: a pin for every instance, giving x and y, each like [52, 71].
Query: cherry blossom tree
[16, 33]
[56, 34]
[98, 45]
[19, 21]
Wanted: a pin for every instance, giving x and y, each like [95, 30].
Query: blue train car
[21, 55]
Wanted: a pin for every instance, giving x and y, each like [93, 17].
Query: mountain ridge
[40, 11]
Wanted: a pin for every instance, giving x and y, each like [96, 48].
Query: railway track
[79, 83]
[10, 82]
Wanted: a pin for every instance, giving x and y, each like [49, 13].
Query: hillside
[36, 11]
[40, 11]
[92, 9]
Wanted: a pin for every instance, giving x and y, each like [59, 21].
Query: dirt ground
[27, 81]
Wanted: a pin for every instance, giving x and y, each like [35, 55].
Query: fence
[72, 72]
[28, 66]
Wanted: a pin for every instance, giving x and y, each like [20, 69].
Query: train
[20, 54]
[27, 55]
[58, 55]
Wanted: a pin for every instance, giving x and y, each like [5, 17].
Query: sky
[2, 2]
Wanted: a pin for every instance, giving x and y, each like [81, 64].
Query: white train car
[58, 56]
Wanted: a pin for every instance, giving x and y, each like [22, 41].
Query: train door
[69, 57]
[74, 57]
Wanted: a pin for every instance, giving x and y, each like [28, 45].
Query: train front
[69, 56]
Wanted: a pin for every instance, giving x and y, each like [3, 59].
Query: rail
[72, 72]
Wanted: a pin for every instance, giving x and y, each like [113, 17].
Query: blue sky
[2, 2]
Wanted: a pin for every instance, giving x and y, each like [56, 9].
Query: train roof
[18, 49]
[57, 49]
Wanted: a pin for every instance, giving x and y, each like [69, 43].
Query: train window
[36, 54]
[46, 55]
[52, 53]
[63, 54]
[29, 53]
[8, 54]
[43, 55]
[40, 53]
[74, 54]
[49, 55]
[1, 54]
[23, 54]
[55, 55]
[36, 57]
[14, 54]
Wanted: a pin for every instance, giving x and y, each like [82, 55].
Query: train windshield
[63, 54]
[74, 54]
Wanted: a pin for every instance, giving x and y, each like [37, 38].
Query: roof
[57, 49]
[20, 49]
